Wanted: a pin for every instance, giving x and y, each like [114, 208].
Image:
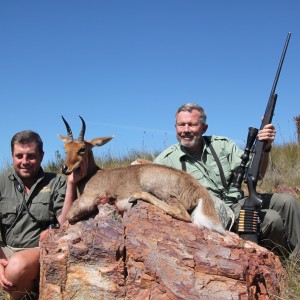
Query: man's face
[27, 160]
[189, 130]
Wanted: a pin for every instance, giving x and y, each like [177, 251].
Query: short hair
[25, 137]
[193, 106]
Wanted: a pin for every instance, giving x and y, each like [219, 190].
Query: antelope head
[77, 149]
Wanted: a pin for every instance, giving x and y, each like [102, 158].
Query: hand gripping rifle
[248, 218]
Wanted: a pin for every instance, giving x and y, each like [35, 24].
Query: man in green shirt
[31, 200]
[280, 214]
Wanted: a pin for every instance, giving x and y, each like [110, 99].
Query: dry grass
[4, 296]
[284, 167]
[107, 161]
[292, 290]
[284, 176]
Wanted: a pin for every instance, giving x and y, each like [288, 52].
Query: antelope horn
[70, 134]
[82, 132]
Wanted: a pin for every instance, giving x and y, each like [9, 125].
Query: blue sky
[126, 66]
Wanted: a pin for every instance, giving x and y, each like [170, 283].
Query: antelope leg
[177, 211]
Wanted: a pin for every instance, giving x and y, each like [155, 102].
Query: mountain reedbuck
[174, 191]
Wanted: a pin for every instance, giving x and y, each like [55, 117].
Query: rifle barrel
[280, 64]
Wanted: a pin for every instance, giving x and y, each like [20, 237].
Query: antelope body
[174, 191]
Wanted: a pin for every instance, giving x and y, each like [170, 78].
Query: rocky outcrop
[149, 255]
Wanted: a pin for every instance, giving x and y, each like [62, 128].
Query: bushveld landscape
[283, 176]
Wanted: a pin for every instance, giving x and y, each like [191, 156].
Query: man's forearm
[71, 196]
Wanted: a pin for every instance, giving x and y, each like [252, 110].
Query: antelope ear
[63, 138]
[100, 141]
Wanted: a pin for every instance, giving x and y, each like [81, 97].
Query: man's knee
[287, 198]
[271, 223]
[272, 234]
[283, 200]
[291, 201]
[15, 269]
[22, 264]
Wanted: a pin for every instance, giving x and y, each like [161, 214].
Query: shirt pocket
[194, 170]
[40, 209]
[8, 211]
[224, 165]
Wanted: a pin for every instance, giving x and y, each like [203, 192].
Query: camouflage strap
[225, 213]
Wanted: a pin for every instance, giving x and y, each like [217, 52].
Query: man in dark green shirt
[280, 217]
[30, 201]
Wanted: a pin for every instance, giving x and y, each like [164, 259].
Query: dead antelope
[174, 191]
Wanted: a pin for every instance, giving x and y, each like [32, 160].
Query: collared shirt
[204, 167]
[44, 202]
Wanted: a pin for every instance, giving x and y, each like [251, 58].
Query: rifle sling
[216, 158]
[183, 164]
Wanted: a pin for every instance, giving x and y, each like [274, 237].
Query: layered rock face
[147, 254]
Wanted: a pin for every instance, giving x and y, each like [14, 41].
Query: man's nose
[187, 128]
[25, 160]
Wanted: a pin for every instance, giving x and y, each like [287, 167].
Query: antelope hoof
[133, 201]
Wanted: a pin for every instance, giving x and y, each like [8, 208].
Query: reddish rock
[149, 255]
[285, 189]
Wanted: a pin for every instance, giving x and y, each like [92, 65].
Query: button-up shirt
[44, 202]
[204, 167]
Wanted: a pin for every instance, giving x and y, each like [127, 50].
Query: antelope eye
[81, 151]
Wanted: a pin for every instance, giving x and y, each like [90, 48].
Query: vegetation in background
[283, 175]
[297, 121]
[104, 162]
[283, 169]
[55, 165]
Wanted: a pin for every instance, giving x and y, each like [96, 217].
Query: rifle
[249, 215]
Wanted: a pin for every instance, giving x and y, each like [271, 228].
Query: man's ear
[204, 128]
[42, 156]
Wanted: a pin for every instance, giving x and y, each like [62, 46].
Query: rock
[285, 189]
[149, 255]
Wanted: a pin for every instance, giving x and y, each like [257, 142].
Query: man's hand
[6, 284]
[79, 173]
[267, 134]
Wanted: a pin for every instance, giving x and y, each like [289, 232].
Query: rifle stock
[248, 226]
